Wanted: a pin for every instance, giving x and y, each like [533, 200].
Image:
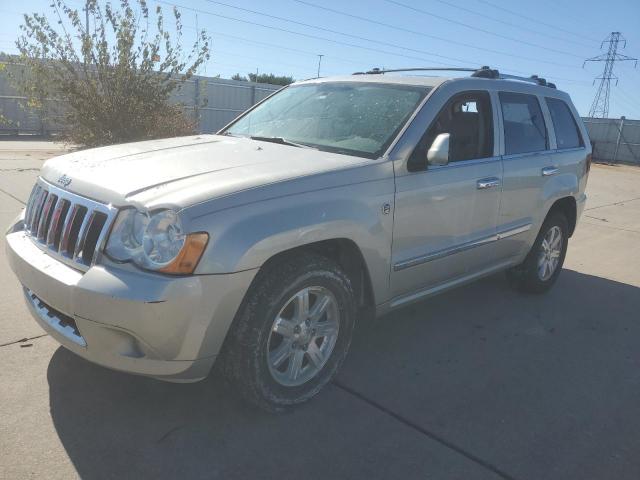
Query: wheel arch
[568, 207]
[345, 252]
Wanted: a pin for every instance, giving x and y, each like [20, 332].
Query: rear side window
[564, 124]
[524, 129]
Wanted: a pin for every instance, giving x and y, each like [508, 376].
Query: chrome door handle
[490, 182]
[548, 171]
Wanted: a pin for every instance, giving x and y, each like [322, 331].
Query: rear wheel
[543, 264]
[292, 332]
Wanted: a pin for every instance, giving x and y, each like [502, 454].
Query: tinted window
[524, 129]
[468, 121]
[567, 133]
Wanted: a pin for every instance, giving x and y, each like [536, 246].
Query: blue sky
[547, 37]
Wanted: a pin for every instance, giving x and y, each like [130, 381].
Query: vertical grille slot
[37, 211]
[57, 223]
[89, 239]
[66, 225]
[73, 230]
[45, 218]
[32, 198]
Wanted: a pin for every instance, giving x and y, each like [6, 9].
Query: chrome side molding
[419, 260]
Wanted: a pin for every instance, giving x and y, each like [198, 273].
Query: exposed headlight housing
[155, 241]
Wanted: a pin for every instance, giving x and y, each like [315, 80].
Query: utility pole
[319, 63]
[600, 105]
[86, 17]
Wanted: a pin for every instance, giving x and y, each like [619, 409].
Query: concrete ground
[478, 383]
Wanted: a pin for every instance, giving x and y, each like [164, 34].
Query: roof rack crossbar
[482, 72]
[532, 79]
[420, 69]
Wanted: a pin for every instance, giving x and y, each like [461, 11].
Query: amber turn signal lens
[188, 258]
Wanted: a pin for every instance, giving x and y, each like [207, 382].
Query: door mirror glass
[438, 153]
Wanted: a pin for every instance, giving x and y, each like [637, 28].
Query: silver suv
[261, 246]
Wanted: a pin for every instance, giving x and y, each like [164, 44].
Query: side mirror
[438, 153]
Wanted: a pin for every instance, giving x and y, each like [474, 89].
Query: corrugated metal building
[213, 101]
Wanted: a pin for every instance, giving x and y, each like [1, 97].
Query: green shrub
[110, 73]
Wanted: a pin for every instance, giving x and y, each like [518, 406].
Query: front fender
[246, 236]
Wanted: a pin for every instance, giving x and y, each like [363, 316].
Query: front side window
[354, 118]
[565, 126]
[468, 120]
[524, 128]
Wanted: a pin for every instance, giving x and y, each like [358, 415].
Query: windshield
[354, 118]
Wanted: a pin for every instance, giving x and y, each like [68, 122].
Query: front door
[446, 216]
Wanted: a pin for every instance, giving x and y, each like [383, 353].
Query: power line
[623, 106]
[285, 48]
[511, 24]
[535, 20]
[309, 67]
[629, 98]
[600, 106]
[572, 12]
[488, 32]
[354, 63]
[332, 41]
[307, 35]
[336, 32]
[422, 34]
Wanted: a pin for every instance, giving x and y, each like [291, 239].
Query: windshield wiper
[281, 141]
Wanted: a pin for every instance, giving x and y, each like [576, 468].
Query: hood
[181, 171]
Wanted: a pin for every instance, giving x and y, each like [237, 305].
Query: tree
[113, 76]
[264, 78]
[270, 78]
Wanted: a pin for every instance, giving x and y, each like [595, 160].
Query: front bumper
[169, 328]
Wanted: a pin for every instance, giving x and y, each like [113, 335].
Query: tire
[527, 276]
[257, 341]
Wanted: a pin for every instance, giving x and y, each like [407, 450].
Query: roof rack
[375, 71]
[482, 72]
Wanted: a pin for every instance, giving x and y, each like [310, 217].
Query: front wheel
[543, 264]
[292, 333]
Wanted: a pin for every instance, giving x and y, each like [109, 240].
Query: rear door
[527, 163]
[445, 216]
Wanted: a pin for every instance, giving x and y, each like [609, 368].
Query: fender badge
[64, 181]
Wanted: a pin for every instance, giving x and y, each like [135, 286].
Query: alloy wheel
[550, 251]
[303, 335]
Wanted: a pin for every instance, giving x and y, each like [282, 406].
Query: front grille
[67, 226]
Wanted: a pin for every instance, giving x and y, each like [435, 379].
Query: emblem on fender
[64, 181]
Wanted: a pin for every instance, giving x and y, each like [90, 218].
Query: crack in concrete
[433, 436]
[22, 340]
[609, 225]
[12, 196]
[612, 204]
[18, 169]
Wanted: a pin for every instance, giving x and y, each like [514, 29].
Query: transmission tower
[600, 105]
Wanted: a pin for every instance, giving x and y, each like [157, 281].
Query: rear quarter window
[524, 128]
[564, 125]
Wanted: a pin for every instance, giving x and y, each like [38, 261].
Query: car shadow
[469, 365]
